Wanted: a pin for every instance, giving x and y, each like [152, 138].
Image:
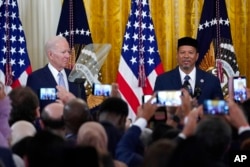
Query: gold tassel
[72, 59]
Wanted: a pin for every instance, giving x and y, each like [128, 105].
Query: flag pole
[217, 43]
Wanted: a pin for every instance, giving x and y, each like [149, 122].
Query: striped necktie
[61, 80]
[187, 85]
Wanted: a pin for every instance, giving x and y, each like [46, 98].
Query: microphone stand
[79, 82]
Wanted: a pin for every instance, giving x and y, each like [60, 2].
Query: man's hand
[236, 116]
[191, 122]
[186, 105]
[64, 95]
[115, 90]
[147, 110]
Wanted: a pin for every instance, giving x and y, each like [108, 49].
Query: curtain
[107, 20]
[39, 19]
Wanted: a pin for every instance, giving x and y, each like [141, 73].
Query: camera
[239, 88]
[215, 107]
[101, 89]
[169, 98]
[47, 93]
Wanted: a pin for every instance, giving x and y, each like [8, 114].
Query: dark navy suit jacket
[208, 84]
[6, 157]
[126, 148]
[43, 78]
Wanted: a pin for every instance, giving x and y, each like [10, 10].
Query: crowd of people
[67, 132]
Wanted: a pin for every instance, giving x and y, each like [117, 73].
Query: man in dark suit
[58, 52]
[202, 85]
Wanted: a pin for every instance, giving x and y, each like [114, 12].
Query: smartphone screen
[47, 93]
[215, 107]
[101, 89]
[239, 88]
[169, 98]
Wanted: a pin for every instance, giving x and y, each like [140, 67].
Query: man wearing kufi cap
[200, 84]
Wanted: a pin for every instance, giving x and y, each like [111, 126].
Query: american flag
[14, 61]
[215, 43]
[73, 25]
[140, 61]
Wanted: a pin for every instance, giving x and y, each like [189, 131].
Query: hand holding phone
[47, 93]
[101, 89]
[169, 98]
[239, 88]
[215, 107]
[160, 114]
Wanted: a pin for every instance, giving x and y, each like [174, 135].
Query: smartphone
[47, 93]
[101, 89]
[169, 98]
[215, 107]
[145, 98]
[239, 88]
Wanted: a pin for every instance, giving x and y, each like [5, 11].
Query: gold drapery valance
[172, 19]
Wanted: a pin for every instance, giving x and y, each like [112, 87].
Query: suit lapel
[199, 81]
[49, 77]
[177, 78]
[72, 85]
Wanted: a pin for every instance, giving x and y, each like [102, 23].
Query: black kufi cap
[188, 41]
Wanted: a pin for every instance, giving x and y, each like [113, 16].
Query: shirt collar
[191, 74]
[54, 71]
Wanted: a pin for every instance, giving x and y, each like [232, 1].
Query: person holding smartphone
[239, 88]
[201, 84]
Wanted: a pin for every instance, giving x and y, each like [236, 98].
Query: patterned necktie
[61, 80]
[187, 85]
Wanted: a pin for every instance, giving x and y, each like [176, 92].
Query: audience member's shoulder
[6, 157]
[20, 148]
[44, 137]
[73, 156]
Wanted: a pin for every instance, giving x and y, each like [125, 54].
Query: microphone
[79, 82]
[197, 92]
[186, 85]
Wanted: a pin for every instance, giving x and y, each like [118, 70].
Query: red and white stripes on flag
[14, 61]
[140, 61]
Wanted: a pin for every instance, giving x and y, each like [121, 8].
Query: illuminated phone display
[239, 88]
[47, 93]
[101, 89]
[169, 98]
[215, 107]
